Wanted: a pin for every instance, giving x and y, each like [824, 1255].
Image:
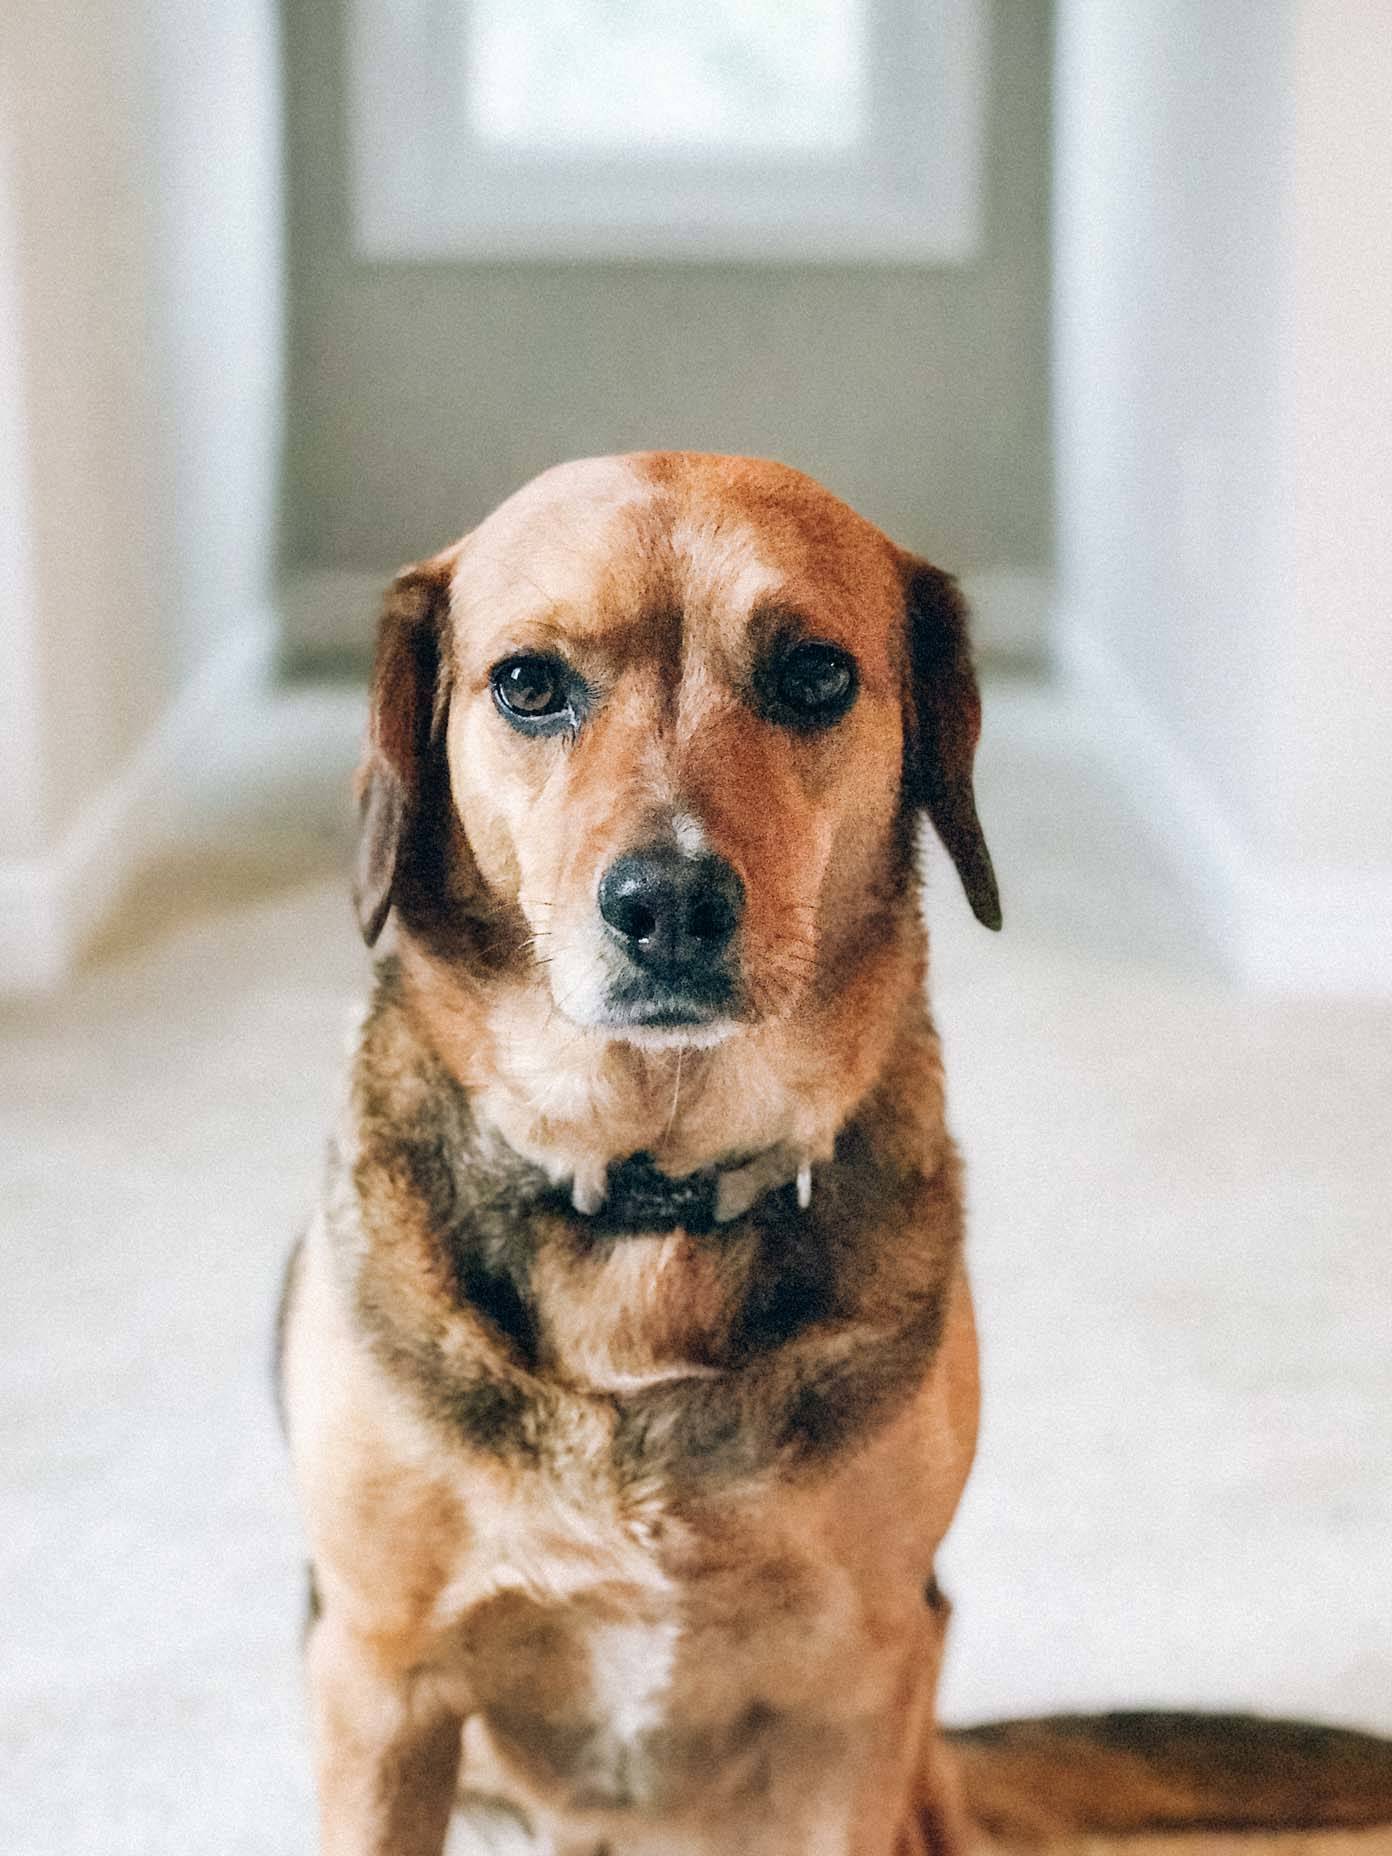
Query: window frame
[904, 196]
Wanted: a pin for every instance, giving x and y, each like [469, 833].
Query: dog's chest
[633, 1687]
[578, 1695]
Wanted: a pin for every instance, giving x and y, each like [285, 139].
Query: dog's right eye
[535, 689]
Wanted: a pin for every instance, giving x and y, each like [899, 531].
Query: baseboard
[328, 615]
[52, 906]
[1286, 928]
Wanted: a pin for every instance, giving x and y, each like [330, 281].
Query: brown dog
[629, 1368]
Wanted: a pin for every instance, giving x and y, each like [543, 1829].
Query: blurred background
[1090, 302]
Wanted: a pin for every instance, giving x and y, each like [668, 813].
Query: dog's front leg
[907, 1797]
[387, 1749]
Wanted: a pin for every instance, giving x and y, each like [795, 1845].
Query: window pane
[669, 76]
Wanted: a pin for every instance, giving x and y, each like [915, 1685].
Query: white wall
[20, 802]
[1334, 800]
[72, 75]
[140, 351]
[1223, 282]
[216, 277]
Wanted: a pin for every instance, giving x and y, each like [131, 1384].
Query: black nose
[675, 915]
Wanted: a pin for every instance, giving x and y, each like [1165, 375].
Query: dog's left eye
[534, 688]
[809, 685]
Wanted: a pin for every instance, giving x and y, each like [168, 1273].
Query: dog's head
[658, 730]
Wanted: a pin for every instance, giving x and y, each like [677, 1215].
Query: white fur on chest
[631, 1667]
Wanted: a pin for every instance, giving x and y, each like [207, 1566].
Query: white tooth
[804, 1185]
[589, 1189]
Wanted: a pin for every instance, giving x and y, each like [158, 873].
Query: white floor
[1180, 1228]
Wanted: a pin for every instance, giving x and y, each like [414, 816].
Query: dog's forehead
[594, 547]
[547, 549]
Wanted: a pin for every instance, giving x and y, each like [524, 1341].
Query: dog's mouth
[696, 1009]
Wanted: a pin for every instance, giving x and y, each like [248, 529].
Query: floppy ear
[408, 704]
[943, 722]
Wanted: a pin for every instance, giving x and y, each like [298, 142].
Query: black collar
[638, 1198]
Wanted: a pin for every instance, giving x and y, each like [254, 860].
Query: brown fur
[645, 1525]
[1030, 1782]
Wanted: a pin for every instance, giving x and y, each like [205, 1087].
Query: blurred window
[747, 129]
[622, 76]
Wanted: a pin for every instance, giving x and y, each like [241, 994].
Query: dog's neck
[579, 1102]
[459, 1229]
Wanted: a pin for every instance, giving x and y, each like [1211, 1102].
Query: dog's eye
[533, 688]
[808, 685]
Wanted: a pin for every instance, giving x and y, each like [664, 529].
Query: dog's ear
[942, 724]
[409, 700]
